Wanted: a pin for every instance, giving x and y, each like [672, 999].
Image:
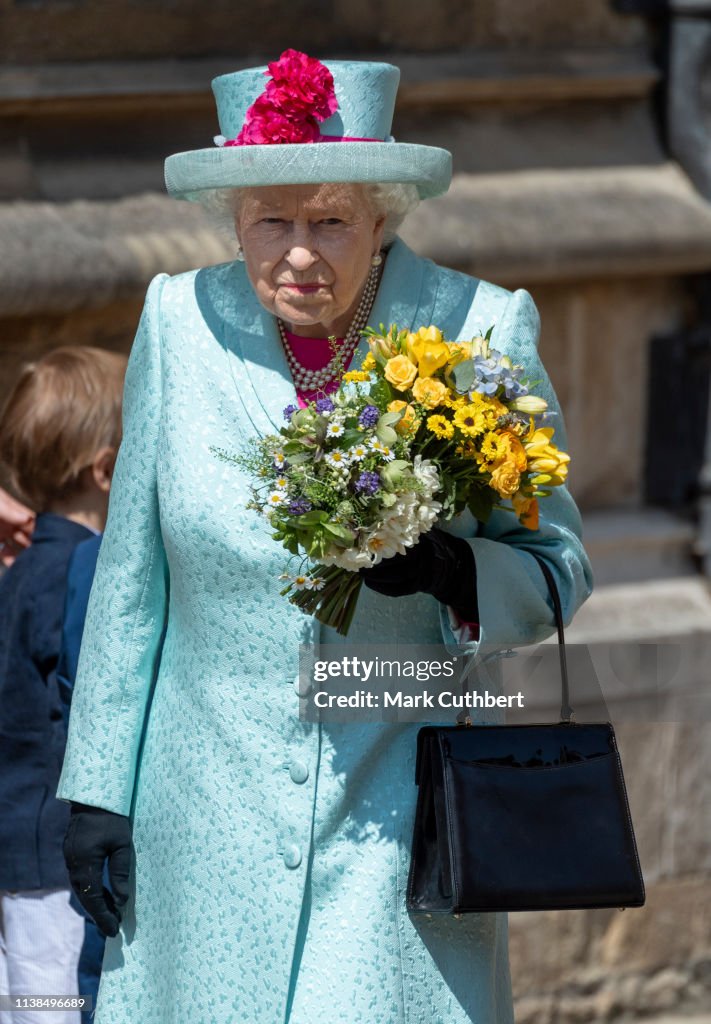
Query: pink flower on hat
[266, 124]
[302, 86]
[300, 94]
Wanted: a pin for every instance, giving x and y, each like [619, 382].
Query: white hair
[390, 199]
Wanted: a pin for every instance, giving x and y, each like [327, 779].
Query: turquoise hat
[346, 107]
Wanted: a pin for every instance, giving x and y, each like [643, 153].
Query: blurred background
[581, 135]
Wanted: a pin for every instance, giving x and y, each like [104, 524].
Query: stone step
[637, 652]
[704, 1018]
[630, 545]
[663, 610]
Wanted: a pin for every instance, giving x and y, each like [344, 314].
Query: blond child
[60, 430]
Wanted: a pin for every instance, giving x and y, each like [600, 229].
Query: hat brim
[189, 175]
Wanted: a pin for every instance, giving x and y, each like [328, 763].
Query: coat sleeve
[514, 606]
[121, 643]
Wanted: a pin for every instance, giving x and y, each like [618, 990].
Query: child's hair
[62, 410]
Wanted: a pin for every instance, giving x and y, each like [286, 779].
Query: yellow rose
[429, 392]
[506, 479]
[400, 372]
[518, 452]
[409, 422]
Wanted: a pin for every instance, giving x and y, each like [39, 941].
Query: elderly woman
[271, 854]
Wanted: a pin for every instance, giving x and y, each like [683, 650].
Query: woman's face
[308, 252]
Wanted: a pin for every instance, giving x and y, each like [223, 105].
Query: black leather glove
[93, 835]
[439, 564]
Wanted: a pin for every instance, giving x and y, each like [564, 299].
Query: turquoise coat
[272, 854]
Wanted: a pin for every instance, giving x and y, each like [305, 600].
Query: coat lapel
[249, 336]
[406, 295]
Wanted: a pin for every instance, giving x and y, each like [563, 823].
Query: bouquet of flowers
[424, 429]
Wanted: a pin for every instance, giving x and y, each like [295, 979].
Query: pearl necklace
[311, 380]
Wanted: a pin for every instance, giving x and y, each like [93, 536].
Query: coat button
[298, 771]
[302, 686]
[292, 855]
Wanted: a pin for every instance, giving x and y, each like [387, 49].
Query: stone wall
[73, 30]
[563, 187]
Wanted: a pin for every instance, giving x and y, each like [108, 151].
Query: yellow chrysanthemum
[369, 363]
[440, 426]
[469, 420]
[495, 447]
[490, 409]
[356, 376]
[468, 450]
[493, 407]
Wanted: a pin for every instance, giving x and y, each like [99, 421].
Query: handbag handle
[566, 711]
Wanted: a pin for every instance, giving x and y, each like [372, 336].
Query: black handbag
[522, 817]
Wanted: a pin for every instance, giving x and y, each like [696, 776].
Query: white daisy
[315, 583]
[386, 453]
[281, 483]
[337, 458]
[276, 498]
[358, 452]
[300, 582]
[334, 429]
[279, 459]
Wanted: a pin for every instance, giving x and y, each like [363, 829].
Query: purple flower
[370, 416]
[298, 506]
[289, 411]
[324, 405]
[368, 482]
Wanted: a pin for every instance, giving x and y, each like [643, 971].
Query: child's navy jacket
[32, 729]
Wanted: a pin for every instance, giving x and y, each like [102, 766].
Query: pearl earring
[376, 260]
[239, 255]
